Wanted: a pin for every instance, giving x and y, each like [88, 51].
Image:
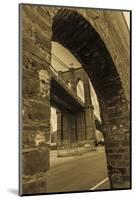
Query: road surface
[79, 173]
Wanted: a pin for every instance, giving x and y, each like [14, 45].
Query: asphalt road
[78, 174]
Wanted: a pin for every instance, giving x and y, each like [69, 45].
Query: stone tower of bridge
[79, 125]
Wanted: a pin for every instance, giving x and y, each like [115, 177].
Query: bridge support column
[89, 112]
[90, 123]
[59, 127]
[80, 126]
[66, 132]
[68, 125]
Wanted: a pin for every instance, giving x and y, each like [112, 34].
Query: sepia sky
[127, 18]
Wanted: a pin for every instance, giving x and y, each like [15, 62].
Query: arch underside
[76, 34]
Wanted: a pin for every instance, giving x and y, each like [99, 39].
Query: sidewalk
[56, 161]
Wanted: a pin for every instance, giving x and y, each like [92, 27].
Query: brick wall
[100, 41]
[35, 49]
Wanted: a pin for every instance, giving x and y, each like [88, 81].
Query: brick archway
[75, 33]
[99, 39]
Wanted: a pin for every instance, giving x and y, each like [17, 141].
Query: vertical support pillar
[59, 127]
[81, 128]
[89, 114]
[67, 121]
[73, 79]
[90, 123]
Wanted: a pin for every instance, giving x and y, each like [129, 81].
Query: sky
[127, 17]
[65, 56]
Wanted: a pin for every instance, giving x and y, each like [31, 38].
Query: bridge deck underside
[62, 99]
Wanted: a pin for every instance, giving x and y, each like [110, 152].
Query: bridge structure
[75, 118]
[99, 39]
[62, 95]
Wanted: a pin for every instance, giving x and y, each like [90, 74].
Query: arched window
[69, 84]
[80, 90]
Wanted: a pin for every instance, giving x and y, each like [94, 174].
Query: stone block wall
[35, 107]
[85, 123]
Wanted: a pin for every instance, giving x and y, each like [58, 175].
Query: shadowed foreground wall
[36, 37]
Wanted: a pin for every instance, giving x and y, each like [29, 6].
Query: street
[78, 173]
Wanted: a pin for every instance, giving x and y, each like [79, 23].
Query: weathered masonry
[76, 125]
[99, 39]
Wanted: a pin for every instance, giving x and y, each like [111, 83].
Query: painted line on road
[96, 186]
